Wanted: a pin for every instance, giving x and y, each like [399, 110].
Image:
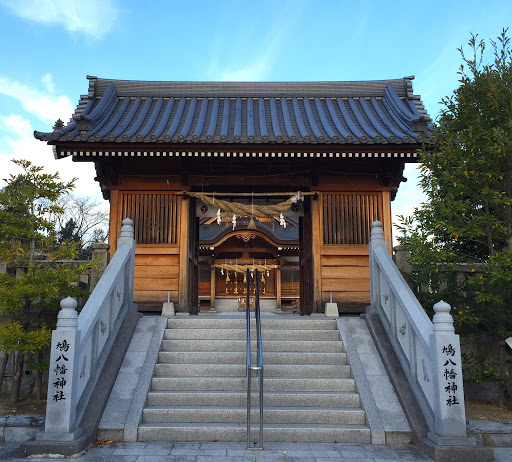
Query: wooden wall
[345, 274]
[156, 217]
[344, 225]
[156, 273]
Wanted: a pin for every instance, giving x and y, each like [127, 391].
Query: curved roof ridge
[97, 86]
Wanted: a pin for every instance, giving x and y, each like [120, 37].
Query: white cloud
[14, 124]
[409, 196]
[17, 135]
[48, 82]
[254, 61]
[46, 106]
[255, 66]
[19, 143]
[94, 18]
[257, 70]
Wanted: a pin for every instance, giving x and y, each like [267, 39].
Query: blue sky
[49, 46]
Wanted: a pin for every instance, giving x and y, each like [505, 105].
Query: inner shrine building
[219, 177]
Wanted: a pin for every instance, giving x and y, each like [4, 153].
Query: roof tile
[373, 112]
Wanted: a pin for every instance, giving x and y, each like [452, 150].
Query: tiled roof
[121, 111]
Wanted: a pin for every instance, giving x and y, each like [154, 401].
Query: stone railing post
[127, 237]
[449, 409]
[376, 240]
[100, 255]
[63, 375]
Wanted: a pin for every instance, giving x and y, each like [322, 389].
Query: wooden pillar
[387, 220]
[212, 285]
[115, 221]
[183, 269]
[278, 287]
[316, 255]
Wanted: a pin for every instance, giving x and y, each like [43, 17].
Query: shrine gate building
[221, 176]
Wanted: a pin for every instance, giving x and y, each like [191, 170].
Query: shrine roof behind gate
[367, 112]
[210, 233]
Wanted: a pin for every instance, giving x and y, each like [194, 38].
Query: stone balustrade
[428, 351]
[81, 343]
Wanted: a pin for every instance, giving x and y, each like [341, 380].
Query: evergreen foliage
[466, 222]
[33, 283]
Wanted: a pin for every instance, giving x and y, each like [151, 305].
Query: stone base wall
[17, 429]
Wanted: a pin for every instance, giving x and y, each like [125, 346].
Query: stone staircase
[198, 391]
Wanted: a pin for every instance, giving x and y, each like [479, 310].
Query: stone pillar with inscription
[449, 409]
[63, 375]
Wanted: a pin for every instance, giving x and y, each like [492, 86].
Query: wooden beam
[253, 194]
[386, 220]
[212, 287]
[345, 249]
[184, 237]
[220, 249]
[115, 213]
[316, 254]
[157, 249]
[278, 287]
[230, 148]
[241, 181]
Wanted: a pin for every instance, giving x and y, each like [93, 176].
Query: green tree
[31, 287]
[68, 232]
[467, 177]
[84, 221]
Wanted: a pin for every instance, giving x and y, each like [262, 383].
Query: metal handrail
[259, 355]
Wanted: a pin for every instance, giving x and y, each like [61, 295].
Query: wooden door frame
[305, 255]
[189, 256]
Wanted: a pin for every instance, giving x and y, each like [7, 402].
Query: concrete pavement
[236, 452]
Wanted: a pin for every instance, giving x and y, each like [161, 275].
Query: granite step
[356, 434]
[348, 399]
[273, 323]
[290, 385]
[198, 389]
[231, 357]
[240, 334]
[271, 370]
[238, 414]
[324, 346]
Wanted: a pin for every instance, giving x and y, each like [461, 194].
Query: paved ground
[236, 452]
